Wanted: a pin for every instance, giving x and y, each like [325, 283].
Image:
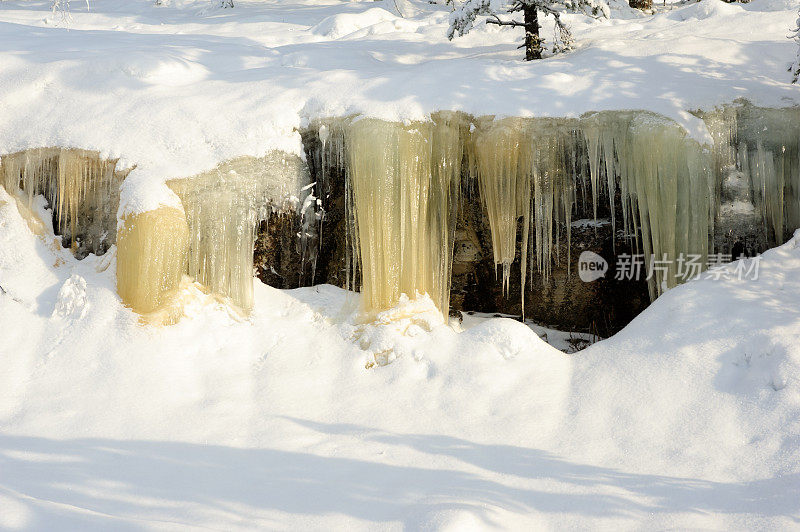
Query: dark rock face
[641, 4]
[276, 255]
[285, 260]
[560, 300]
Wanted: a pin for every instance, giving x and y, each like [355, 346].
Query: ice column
[404, 180]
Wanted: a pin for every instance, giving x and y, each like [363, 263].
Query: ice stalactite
[530, 169]
[663, 178]
[501, 151]
[80, 186]
[667, 177]
[223, 209]
[402, 186]
[768, 151]
[404, 181]
[666, 185]
[757, 156]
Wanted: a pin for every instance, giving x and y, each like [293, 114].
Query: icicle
[403, 179]
[82, 189]
[763, 146]
[223, 209]
[592, 135]
[503, 162]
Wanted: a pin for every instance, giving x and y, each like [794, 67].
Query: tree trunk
[533, 43]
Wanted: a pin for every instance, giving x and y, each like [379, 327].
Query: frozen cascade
[531, 168]
[151, 260]
[664, 189]
[402, 188]
[81, 188]
[525, 170]
[401, 192]
[757, 161]
[404, 181]
[223, 208]
[210, 238]
[666, 185]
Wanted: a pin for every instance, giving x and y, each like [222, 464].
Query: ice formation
[757, 161]
[665, 184]
[81, 188]
[404, 181]
[524, 169]
[403, 185]
[151, 258]
[223, 208]
[667, 187]
[210, 238]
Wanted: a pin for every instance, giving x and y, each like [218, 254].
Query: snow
[301, 416]
[688, 418]
[179, 88]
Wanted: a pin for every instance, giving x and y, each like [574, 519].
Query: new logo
[591, 266]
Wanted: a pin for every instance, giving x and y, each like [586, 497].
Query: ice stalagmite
[403, 180]
[151, 260]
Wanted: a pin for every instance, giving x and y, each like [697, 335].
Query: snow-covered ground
[176, 89]
[688, 418]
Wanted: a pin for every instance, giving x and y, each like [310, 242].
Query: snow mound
[508, 338]
[169, 71]
[706, 9]
[344, 24]
[770, 5]
[392, 332]
[71, 301]
[689, 418]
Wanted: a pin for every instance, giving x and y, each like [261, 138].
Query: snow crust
[177, 89]
[688, 418]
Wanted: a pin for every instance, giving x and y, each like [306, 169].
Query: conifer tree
[463, 17]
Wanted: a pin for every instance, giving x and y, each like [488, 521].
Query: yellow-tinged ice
[151, 258]
[404, 181]
[223, 207]
[402, 190]
[81, 187]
